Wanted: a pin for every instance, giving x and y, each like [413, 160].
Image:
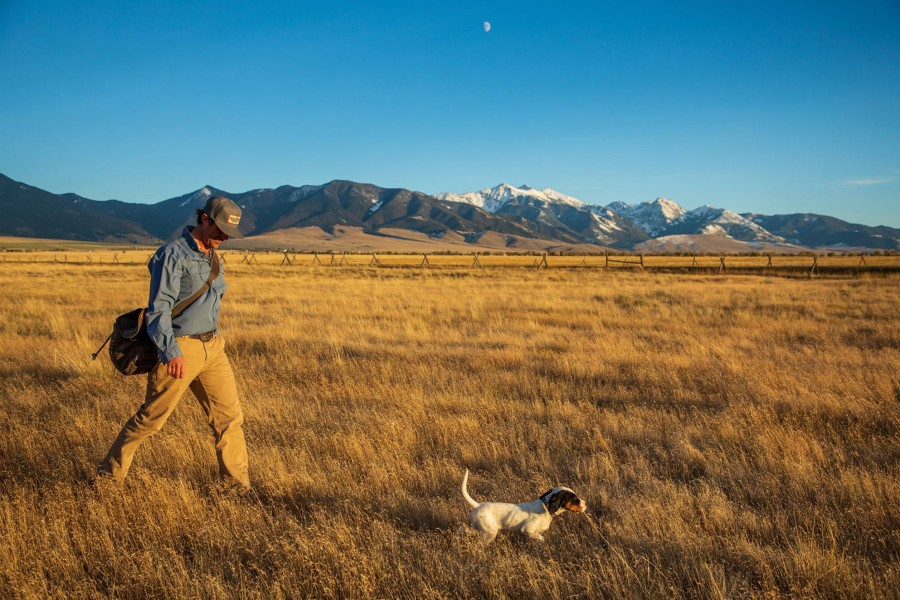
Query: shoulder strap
[179, 308]
[213, 273]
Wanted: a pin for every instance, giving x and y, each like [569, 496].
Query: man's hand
[175, 367]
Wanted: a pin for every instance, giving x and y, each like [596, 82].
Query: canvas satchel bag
[131, 350]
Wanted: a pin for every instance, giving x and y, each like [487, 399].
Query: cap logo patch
[234, 219]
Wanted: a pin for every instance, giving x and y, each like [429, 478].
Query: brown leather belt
[203, 337]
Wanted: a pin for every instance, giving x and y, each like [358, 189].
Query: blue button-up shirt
[177, 270]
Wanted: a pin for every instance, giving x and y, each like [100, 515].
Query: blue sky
[769, 107]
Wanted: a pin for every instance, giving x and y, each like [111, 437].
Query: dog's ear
[557, 499]
[552, 501]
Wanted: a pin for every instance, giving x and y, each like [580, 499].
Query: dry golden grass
[734, 436]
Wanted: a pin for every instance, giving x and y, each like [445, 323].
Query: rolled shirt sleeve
[165, 286]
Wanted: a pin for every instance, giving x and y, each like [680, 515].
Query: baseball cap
[226, 214]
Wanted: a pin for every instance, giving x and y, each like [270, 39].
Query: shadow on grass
[15, 376]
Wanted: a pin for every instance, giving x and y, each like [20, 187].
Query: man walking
[191, 352]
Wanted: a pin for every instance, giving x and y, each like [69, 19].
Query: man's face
[210, 233]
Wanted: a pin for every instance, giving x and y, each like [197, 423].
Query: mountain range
[502, 217]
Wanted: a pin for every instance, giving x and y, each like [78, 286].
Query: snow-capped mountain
[618, 224]
[653, 216]
[495, 198]
[709, 220]
[199, 197]
[612, 228]
[548, 212]
[664, 217]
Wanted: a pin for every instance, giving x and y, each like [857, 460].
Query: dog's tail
[465, 492]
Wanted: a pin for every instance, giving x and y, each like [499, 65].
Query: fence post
[815, 266]
[642, 260]
[543, 264]
[425, 261]
[375, 262]
[722, 268]
[476, 263]
[606, 254]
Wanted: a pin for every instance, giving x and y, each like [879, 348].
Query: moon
[487, 26]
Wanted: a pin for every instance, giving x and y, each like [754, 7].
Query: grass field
[733, 436]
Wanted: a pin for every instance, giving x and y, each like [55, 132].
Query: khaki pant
[208, 373]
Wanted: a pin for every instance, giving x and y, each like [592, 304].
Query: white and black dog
[529, 518]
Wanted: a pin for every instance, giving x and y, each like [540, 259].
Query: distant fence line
[810, 265]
